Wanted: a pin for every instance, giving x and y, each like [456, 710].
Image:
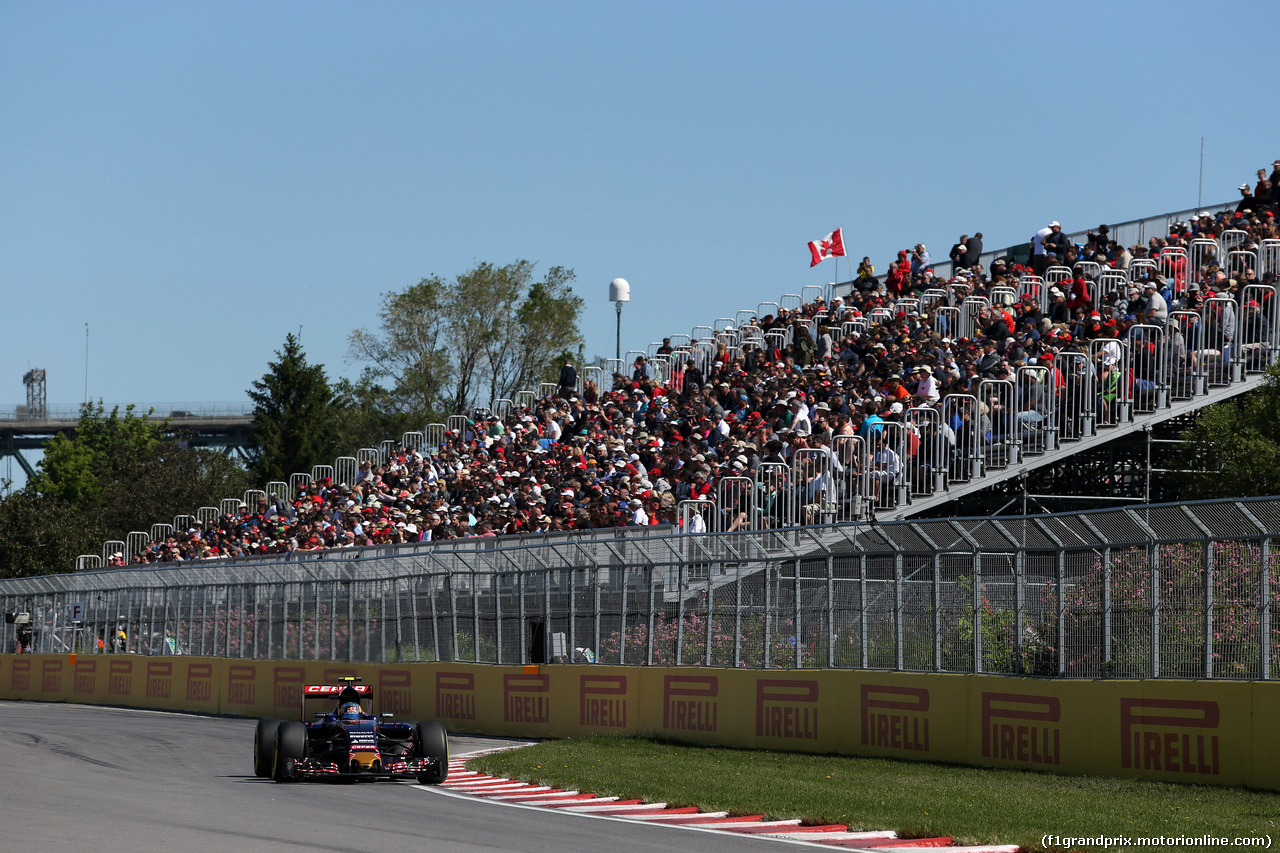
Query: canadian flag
[828, 247]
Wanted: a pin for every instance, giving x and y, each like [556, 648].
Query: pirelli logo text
[1019, 727]
[51, 676]
[242, 688]
[895, 717]
[199, 682]
[85, 676]
[396, 695]
[159, 679]
[120, 677]
[689, 702]
[526, 698]
[456, 695]
[602, 701]
[20, 675]
[288, 682]
[787, 708]
[1172, 735]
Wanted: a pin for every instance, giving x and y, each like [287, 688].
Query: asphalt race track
[81, 777]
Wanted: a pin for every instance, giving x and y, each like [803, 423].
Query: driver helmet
[350, 711]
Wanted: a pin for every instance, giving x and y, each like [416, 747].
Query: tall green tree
[1234, 446]
[410, 350]
[291, 415]
[444, 346]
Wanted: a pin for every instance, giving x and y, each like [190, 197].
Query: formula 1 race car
[348, 742]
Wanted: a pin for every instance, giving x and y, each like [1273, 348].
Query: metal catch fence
[1183, 591]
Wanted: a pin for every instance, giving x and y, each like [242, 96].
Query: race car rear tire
[433, 742]
[291, 745]
[264, 744]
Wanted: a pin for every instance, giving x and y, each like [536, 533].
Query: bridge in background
[228, 426]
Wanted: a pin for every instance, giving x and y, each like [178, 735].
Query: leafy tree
[40, 536]
[365, 413]
[1235, 445]
[412, 348]
[291, 415]
[442, 344]
[544, 331]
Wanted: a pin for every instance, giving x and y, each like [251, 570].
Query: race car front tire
[264, 744]
[433, 742]
[291, 745]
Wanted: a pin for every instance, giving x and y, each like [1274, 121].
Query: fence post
[937, 612]
[435, 616]
[831, 612]
[411, 586]
[862, 609]
[1106, 609]
[977, 610]
[204, 615]
[680, 613]
[897, 611]
[622, 621]
[333, 620]
[737, 617]
[495, 592]
[522, 620]
[1264, 611]
[395, 590]
[453, 618]
[648, 652]
[711, 594]
[795, 620]
[1153, 559]
[768, 613]
[1208, 608]
[1061, 603]
[475, 615]
[244, 595]
[351, 623]
[597, 618]
[1019, 606]
[572, 633]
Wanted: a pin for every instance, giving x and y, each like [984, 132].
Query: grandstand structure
[950, 451]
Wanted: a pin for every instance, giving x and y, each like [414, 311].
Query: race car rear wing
[331, 691]
[334, 690]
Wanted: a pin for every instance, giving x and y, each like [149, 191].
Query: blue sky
[196, 180]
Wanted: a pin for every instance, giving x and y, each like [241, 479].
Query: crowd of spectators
[629, 454]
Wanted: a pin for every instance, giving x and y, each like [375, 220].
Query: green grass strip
[973, 805]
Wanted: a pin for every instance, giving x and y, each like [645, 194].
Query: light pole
[619, 292]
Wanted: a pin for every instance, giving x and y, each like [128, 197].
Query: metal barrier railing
[1062, 595]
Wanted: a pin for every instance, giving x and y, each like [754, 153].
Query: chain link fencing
[1178, 591]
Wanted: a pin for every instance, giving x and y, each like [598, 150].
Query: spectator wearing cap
[1059, 312]
[919, 259]
[1155, 308]
[1056, 242]
[958, 254]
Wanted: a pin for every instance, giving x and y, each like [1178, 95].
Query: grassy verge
[975, 806]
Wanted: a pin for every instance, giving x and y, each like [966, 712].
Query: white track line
[793, 839]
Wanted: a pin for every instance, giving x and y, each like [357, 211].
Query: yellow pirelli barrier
[1212, 732]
